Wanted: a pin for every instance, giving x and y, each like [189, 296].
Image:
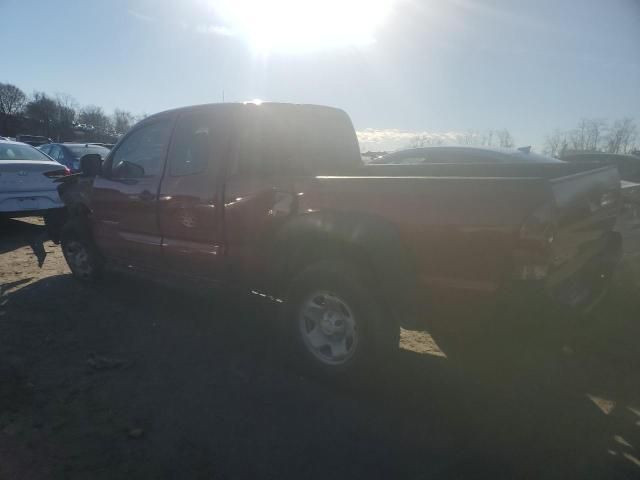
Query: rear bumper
[579, 285]
[23, 203]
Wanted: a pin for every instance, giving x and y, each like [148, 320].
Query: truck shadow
[17, 234]
[203, 380]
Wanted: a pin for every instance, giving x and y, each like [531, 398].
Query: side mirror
[91, 164]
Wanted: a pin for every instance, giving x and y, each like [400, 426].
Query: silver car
[27, 184]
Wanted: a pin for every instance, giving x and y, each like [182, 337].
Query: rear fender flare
[372, 243]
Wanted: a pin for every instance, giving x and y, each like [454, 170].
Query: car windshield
[78, 151]
[33, 138]
[16, 151]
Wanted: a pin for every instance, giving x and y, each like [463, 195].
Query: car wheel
[336, 324]
[80, 253]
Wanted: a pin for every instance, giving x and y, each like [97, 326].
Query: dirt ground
[131, 380]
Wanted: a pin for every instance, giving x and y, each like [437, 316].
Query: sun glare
[300, 26]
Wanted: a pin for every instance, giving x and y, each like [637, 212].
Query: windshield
[78, 151]
[16, 151]
[32, 138]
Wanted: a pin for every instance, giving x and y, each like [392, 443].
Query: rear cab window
[294, 140]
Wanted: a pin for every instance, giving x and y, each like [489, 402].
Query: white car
[27, 184]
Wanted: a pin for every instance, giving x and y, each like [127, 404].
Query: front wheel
[336, 325]
[81, 253]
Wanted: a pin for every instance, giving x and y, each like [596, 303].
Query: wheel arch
[372, 244]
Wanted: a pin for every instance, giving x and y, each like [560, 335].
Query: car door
[124, 197]
[258, 192]
[190, 210]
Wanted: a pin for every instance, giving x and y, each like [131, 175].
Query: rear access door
[190, 201]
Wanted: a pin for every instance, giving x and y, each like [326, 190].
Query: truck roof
[310, 137]
[243, 105]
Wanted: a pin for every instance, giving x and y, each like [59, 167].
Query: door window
[142, 153]
[190, 150]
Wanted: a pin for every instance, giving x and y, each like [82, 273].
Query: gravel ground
[131, 380]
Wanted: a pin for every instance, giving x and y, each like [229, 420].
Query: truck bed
[462, 222]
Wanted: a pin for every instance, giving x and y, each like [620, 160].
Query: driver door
[124, 198]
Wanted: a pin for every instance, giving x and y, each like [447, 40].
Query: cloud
[141, 16]
[390, 139]
[206, 29]
[220, 30]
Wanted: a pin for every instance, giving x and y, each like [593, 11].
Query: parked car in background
[275, 199]
[105, 145]
[69, 154]
[461, 155]
[33, 140]
[628, 165]
[27, 182]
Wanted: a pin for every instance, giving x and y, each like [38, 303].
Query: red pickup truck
[274, 198]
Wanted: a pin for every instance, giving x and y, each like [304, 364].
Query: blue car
[69, 154]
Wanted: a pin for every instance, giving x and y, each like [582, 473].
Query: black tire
[80, 252]
[377, 334]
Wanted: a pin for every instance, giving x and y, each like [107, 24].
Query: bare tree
[95, 117]
[122, 121]
[469, 137]
[504, 138]
[12, 102]
[487, 138]
[622, 136]
[556, 144]
[588, 135]
[578, 136]
[594, 133]
[42, 110]
[65, 116]
[425, 140]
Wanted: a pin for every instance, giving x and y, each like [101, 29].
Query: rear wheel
[80, 252]
[335, 323]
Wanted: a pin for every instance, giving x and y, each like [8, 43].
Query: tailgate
[587, 206]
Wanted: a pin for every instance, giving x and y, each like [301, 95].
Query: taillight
[536, 236]
[57, 173]
[538, 230]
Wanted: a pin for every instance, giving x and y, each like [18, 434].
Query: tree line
[58, 117]
[489, 138]
[590, 135]
[594, 135]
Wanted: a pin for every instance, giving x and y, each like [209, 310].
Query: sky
[398, 67]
